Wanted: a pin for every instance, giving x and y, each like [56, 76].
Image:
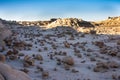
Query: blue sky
[46, 9]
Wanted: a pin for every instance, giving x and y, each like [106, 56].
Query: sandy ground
[84, 44]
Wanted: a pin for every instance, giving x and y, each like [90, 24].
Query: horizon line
[55, 18]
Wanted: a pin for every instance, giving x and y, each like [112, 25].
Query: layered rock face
[109, 26]
[71, 22]
[110, 22]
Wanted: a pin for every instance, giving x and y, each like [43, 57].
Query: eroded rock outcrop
[108, 26]
[71, 22]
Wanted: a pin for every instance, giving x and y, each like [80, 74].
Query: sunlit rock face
[72, 22]
[108, 26]
[110, 22]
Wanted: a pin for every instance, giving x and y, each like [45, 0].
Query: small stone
[66, 44]
[83, 61]
[113, 64]
[45, 74]
[13, 57]
[92, 59]
[78, 55]
[74, 71]
[38, 57]
[21, 54]
[9, 52]
[55, 69]
[99, 44]
[68, 60]
[40, 68]
[58, 63]
[67, 67]
[25, 70]
[26, 64]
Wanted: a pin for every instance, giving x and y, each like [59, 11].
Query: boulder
[8, 73]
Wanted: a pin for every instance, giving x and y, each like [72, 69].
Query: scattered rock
[40, 68]
[99, 44]
[25, 70]
[67, 67]
[45, 74]
[13, 57]
[68, 60]
[74, 71]
[38, 57]
[21, 54]
[29, 60]
[78, 55]
[92, 59]
[104, 66]
[66, 44]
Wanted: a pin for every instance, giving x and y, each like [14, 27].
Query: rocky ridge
[109, 26]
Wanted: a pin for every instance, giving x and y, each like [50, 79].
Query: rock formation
[74, 22]
[109, 26]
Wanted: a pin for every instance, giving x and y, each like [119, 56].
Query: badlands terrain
[60, 49]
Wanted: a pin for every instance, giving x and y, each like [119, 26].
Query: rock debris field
[59, 53]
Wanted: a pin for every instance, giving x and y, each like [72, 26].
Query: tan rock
[45, 74]
[29, 60]
[38, 57]
[68, 60]
[99, 44]
[66, 44]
